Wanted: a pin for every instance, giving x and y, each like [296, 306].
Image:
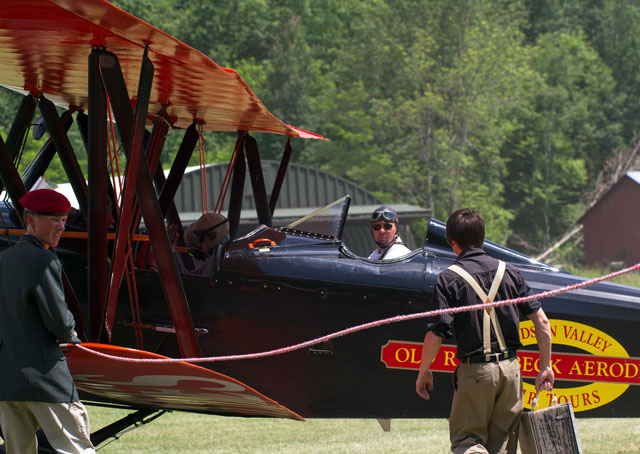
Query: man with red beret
[36, 387]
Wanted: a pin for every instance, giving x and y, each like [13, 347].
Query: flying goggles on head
[200, 234]
[384, 216]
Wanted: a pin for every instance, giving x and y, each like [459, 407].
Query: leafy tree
[614, 31]
[420, 96]
[547, 16]
[163, 14]
[562, 138]
[612, 28]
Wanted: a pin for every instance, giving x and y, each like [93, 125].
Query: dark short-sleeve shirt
[453, 291]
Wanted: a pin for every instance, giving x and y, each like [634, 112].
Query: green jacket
[33, 318]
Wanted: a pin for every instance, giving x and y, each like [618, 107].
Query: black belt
[491, 358]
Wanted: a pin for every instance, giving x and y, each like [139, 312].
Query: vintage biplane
[271, 288]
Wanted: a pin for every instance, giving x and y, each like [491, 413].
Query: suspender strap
[497, 280]
[489, 316]
[495, 285]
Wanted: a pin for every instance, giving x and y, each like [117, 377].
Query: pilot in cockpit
[384, 230]
[202, 238]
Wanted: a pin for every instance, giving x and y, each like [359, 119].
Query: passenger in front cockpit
[202, 237]
[384, 230]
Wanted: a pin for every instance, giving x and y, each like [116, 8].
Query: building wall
[612, 226]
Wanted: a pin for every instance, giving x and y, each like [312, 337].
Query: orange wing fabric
[175, 386]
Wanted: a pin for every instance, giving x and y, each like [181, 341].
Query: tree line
[512, 107]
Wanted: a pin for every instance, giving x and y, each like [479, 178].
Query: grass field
[631, 278]
[178, 432]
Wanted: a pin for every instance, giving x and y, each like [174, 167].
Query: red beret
[46, 201]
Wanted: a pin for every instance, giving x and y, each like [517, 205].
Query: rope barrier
[365, 326]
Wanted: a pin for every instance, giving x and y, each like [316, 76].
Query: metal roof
[635, 176]
[304, 189]
[283, 216]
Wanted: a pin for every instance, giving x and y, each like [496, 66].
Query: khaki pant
[486, 407]
[66, 426]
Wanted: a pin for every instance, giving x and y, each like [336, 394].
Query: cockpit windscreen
[326, 222]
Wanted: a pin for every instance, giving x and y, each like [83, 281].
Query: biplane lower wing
[174, 386]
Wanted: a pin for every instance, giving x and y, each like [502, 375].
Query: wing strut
[65, 151]
[138, 178]
[171, 184]
[82, 119]
[20, 126]
[282, 170]
[134, 420]
[41, 162]
[237, 187]
[11, 179]
[153, 144]
[257, 181]
[97, 138]
[180, 163]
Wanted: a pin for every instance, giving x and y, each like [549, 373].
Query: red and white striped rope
[364, 326]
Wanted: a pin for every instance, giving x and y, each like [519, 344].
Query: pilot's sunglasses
[387, 216]
[387, 226]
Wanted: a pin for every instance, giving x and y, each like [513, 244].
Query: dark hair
[466, 228]
[24, 218]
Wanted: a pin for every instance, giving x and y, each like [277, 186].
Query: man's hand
[430, 349]
[545, 380]
[424, 381]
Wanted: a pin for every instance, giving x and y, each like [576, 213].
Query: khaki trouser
[66, 426]
[486, 407]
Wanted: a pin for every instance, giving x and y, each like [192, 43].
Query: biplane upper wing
[45, 44]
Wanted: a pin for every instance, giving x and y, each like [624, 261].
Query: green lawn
[178, 432]
[630, 278]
